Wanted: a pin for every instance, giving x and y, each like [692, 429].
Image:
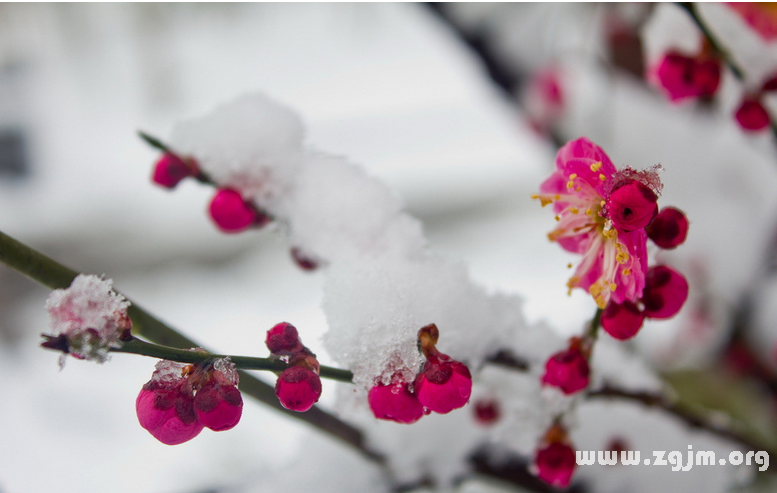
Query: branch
[54, 275]
[721, 50]
[143, 348]
[691, 419]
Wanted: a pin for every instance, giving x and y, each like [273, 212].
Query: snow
[90, 303]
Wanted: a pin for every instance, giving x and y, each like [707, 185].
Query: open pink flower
[601, 214]
[681, 77]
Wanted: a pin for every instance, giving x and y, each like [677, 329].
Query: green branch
[54, 275]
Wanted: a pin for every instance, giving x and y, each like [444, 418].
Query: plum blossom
[761, 16]
[601, 214]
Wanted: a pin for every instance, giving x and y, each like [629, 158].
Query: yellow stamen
[626, 272]
[622, 257]
[574, 210]
[558, 218]
[613, 287]
[569, 265]
[602, 177]
[596, 166]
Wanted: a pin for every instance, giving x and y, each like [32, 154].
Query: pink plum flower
[444, 384]
[601, 214]
[89, 318]
[395, 402]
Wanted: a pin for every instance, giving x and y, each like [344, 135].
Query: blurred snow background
[393, 88]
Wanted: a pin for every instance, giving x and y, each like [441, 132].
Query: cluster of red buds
[555, 460]
[298, 386]
[443, 385]
[228, 209]
[180, 400]
[682, 77]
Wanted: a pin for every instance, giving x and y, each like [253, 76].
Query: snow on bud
[218, 403]
[568, 370]
[89, 318]
[555, 464]
[231, 213]
[283, 340]
[751, 115]
[665, 292]
[165, 405]
[622, 320]
[395, 402]
[170, 170]
[632, 206]
[669, 229]
[298, 388]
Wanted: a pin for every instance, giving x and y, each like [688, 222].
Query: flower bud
[218, 405]
[632, 206]
[444, 384]
[487, 411]
[166, 410]
[669, 229]
[751, 115]
[568, 370]
[283, 340]
[230, 212]
[555, 464]
[170, 170]
[395, 402]
[298, 388]
[684, 77]
[665, 292]
[622, 321]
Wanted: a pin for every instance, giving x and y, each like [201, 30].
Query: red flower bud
[669, 229]
[395, 402]
[230, 212]
[298, 388]
[622, 321]
[218, 405]
[665, 292]
[632, 206]
[283, 340]
[555, 464]
[751, 115]
[568, 370]
[166, 410]
[487, 411]
[444, 384]
[170, 170]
